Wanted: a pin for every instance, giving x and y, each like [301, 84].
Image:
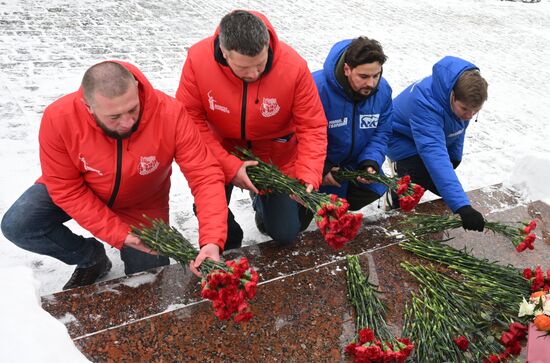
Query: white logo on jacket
[338, 123]
[87, 167]
[270, 107]
[213, 105]
[456, 133]
[148, 164]
[369, 121]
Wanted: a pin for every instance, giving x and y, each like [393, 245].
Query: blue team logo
[368, 121]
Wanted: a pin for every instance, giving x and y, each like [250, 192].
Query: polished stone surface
[301, 309]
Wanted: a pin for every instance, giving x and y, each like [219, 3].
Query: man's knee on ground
[285, 236]
[13, 224]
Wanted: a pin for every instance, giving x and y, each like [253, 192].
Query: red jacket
[283, 102]
[79, 166]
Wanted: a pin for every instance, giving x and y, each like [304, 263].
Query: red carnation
[462, 343]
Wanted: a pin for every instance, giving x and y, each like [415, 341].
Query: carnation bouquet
[519, 233]
[409, 194]
[331, 213]
[375, 342]
[229, 285]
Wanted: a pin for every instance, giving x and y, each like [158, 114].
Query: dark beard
[114, 134]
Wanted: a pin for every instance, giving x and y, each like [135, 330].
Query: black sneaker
[83, 276]
[259, 223]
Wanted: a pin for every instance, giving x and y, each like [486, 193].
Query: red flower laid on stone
[521, 238]
[462, 342]
[370, 349]
[511, 340]
[538, 281]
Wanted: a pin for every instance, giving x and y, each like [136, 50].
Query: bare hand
[309, 189]
[241, 179]
[370, 170]
[135, 243]
[329, 178]
[211, 251]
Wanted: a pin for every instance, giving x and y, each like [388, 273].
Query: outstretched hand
[135, 243]
[370, 170]
[471, 219]
[309, 189]
[241, 179]
[211, 251]
[329, 179]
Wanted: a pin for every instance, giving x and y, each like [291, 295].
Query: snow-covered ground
[46, 47]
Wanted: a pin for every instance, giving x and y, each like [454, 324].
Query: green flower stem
[169, 242]
[369, 309]
[268, 177]
[442, 310]
[352, 175]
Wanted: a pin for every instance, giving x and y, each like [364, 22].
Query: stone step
[301, 312]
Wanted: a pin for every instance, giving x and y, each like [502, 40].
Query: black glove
[471, 218]
[455, 163]
[366, 163]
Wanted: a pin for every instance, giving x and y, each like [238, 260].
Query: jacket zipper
[118, 173]
[352, 132]
[243, 111]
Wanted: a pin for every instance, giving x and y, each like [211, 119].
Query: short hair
[244, 33]
[471, 88]
[110, 79]
[363, 50]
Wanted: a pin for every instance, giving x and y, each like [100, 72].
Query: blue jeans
[281, 216]
[35, 224]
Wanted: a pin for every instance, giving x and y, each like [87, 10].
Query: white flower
[525, 308]
[547, 308]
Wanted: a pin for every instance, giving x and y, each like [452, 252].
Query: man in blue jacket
[429, 120]
[357, 102]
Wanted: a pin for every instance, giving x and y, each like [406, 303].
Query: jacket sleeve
[455, 151]
[69, 192]
[311, 130]
[189, 94]
[377, 146]
[429, 136]
[206, 181]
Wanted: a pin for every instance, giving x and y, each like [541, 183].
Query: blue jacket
[357, 131]
[425, 125]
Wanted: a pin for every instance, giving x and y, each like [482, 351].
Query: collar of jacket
[218, 56]
[343, 81]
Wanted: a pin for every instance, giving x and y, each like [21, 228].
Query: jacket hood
[147, 96]
[445, 73]
[330, 64]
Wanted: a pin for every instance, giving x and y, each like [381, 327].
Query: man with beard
[357, 102]
[106, 154]
[244, 87]
[429, 125]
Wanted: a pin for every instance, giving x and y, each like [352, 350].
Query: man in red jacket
[106, 153]
[244, 87]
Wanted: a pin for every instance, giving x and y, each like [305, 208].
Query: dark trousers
[234, 236]
[282, 218]
[415, 168]
[358, 197]
[35, 223]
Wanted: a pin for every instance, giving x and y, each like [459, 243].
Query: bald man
[106, 154]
